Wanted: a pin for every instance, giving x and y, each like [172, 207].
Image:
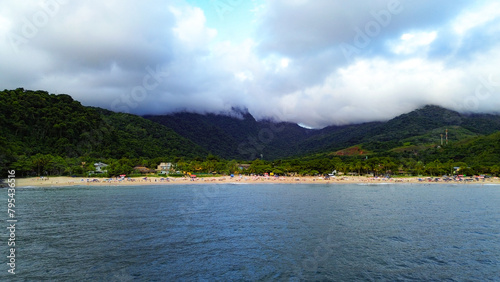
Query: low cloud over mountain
[316, 63]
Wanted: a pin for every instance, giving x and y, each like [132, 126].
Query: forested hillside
[37, 123]
[51, 134]
[430, 140]
[239, 136]
[420, 127]
[246, 138]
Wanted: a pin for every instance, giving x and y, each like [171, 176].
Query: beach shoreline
[61, 181]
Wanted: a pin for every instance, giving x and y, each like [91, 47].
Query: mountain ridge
[376, 136]
[35, 122]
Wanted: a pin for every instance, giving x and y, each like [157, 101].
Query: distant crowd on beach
[193, 179]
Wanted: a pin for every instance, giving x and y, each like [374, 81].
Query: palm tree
[419, 167]
[41, 162]
[367, 167]
[358, 166]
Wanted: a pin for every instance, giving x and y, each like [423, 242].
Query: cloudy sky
[314, 62]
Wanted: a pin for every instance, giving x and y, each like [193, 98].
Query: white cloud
[476, 17]
[245, 75]
[190, 27]
[410, 43]
[284, 62]
[377, 89]
[292, 68]
[4, 26]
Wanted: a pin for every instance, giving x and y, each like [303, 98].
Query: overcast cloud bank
[317, 63]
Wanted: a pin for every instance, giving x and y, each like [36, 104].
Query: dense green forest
[245, 138]
[47, 134]
[38, 126]
[238, 136]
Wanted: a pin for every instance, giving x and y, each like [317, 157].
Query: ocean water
[256, 232]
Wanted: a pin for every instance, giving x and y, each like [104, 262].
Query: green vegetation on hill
[420, 127]
[47, 134]
[245, 138]
[480, 153]
[37, 123]
[139, 137]
[239, 137]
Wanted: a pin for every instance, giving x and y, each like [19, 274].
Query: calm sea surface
[256, 232]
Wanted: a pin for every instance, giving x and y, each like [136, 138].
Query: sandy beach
[79, 181]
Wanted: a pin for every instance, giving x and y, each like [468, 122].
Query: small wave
[374, 184]
[436, 260]
[398, 239]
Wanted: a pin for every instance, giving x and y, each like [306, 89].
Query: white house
[100, 167]
[164, 168]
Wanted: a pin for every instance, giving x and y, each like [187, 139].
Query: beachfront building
[164, 168]
[100, 167]
[143, 170]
